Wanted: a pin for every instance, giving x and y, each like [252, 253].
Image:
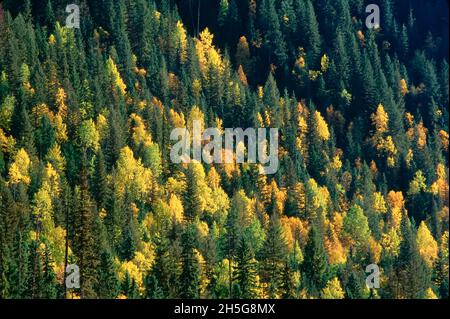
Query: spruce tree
[245, 273]
[190, 275]
[274, 253]
[85, 241]
[315, 268]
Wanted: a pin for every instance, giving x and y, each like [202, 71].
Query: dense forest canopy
[86, 177]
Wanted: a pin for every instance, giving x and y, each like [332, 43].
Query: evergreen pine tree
[190, 275]
[245, 273]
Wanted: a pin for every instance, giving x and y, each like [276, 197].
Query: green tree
[274, 253]
[315, 267]
[190, 275]
[245, 273]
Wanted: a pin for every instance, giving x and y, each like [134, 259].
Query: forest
[86, 177]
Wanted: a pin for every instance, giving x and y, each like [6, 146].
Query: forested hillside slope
[86, 177]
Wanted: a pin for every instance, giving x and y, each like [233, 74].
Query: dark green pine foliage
[317, 149]
[308, 30]
[190, 275]
[129, 287]
[274, 44]
[315, 267]
[115, 140]
[441, 275]
[412, 275]
[86, 240]
[289, 21]
[44, 136]
[288, 286]
[49, 289]
[152, 288]
[21, 126]
[36, 280]
[272, 100]
[192, 204]
[245, 272]
[128, 245]
[20, 275]
[100, 183]
[165, 270]
[108, 284]
[274, 254]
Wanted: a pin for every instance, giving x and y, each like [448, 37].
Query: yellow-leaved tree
[114, 77]
[181, 41]
[208, 55]
[427, 245]
[381, 140]
[46, 231]
[132, 176]
[139, 134]
[333, 290]
[403, 87]
[321, 126]
[396, 204]
[19, 169]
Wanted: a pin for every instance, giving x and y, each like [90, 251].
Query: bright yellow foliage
[55, 157]
[333, 290]
[396, 204]
[335, 249]
[403, 87]
[139, 132]
[384, 144]
[60, 128]
[207, 53]
[195, 115]
[375, 249]
[390, 242]
[443, 136]
[380, 120]
[429, 294]
[421, 135]
[133, 271]
[418, 184]
[88, 135]
[182, 44]
[324, 63]
[427, 245]
[379, 203]
[321, 126]
[61, 102]
[114, 76]
[18, 172]
[176, 208]
[52, 180]
[132, 175]
[213, 178]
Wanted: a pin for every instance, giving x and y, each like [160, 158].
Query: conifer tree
[245, 274]
[190, 275]
[274, 254]
[315, 266]
[85, 242]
